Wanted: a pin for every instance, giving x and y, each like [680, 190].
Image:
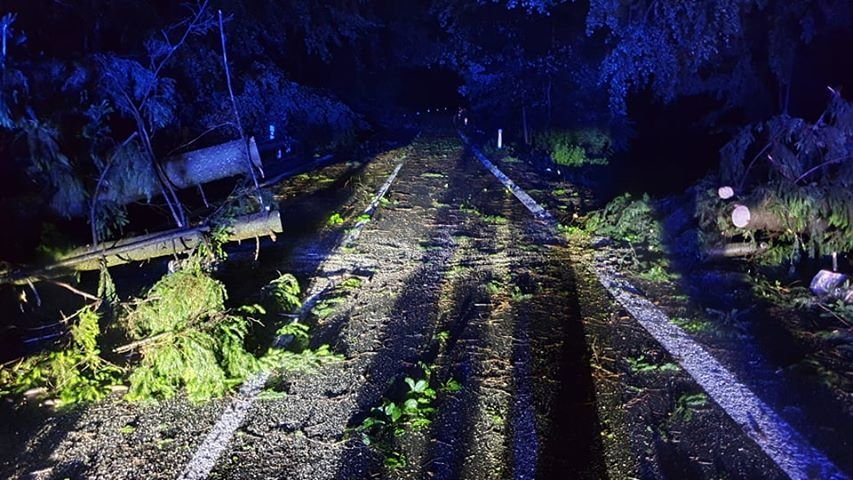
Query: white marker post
[500, 138]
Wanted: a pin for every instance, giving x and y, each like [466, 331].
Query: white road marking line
[519, 193]
[220, 436]
[789, 450]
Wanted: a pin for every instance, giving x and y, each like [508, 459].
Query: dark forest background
[751, 92]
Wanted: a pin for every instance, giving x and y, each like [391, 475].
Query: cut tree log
[190, 169]
[757, 217]
[725, 192]
[762, 216]
[146, 247]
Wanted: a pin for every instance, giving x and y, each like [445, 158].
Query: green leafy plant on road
[394, 418]
[687, 404]
[642, 365]
[335, 219]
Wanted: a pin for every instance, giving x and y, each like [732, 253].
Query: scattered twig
[834, 314]
[35, 293]
[752, 162]
[203, 196]
[818, 167]
[68, 318]
[68, 287]
[202, 134]
[192, 24]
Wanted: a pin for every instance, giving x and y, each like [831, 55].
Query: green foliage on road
[396, 417]
[183, 339]
[77, 373]
[193, 342]
[335, 219]
[627, 219]
[283, 292]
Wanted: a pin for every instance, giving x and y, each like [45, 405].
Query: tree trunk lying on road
[191, 168]
[146, 247]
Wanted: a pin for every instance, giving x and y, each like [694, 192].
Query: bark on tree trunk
[146, 247]
[734, 250]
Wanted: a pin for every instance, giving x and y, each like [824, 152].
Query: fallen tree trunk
[757, 217]
[734, 250]
[146, 247]
[189, 169]
[761, 215]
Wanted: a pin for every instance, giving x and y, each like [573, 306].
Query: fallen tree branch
[146, 247]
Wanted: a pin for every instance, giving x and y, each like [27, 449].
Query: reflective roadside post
[500, 138]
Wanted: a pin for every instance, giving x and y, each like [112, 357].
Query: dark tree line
[88, 83]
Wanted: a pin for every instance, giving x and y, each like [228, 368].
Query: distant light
[466, 121]
[272, 132]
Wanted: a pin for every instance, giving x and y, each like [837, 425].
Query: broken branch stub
[190, 169]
